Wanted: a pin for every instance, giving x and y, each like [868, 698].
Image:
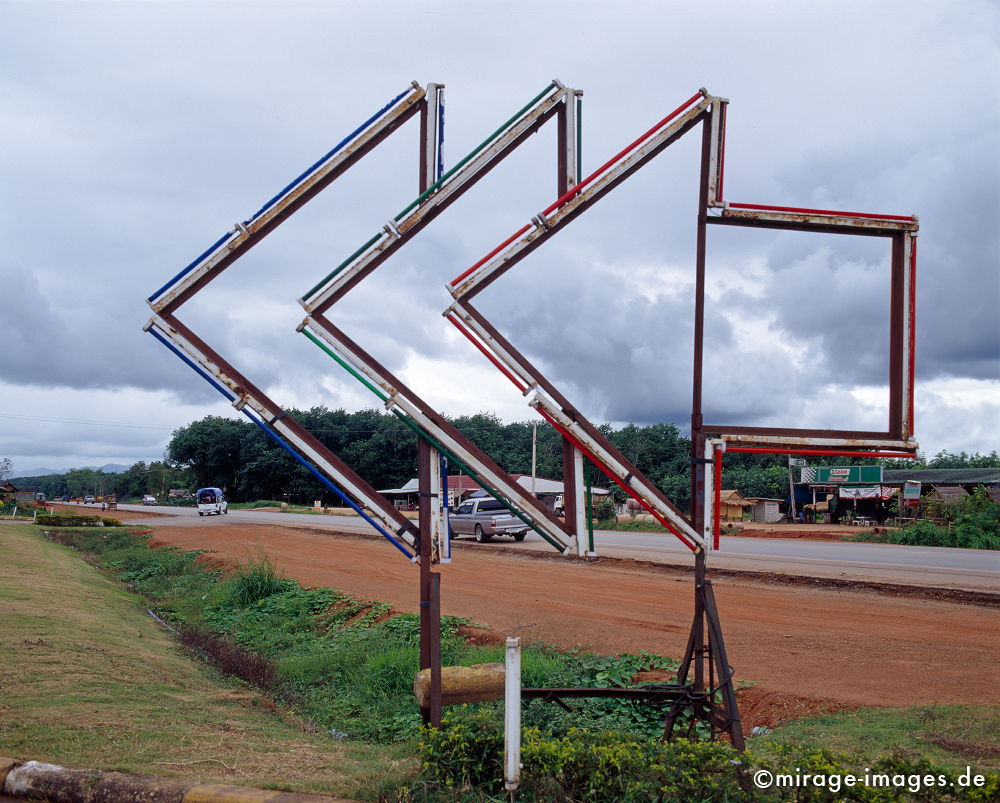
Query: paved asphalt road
[975, 570]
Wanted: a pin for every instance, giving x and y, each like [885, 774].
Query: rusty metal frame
[900, 230]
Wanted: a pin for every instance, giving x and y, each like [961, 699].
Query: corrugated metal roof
[945, 476]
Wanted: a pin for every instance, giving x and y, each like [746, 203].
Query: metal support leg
[430, 589]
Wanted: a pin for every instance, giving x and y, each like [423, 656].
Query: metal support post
[512, 716]
[430, 589]
[574, 501]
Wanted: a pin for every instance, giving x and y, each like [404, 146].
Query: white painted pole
[534, 454]
[512, 716]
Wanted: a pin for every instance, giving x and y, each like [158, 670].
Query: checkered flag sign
[808, 474]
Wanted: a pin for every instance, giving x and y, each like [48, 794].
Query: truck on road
[484, 518]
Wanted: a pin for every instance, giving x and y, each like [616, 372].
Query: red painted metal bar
[492, 253]
[913, 328]
[607, 471]
[722, 153]
[800, 210]
[489, 355]
[578, 187]
[717, 513]
[822, 452]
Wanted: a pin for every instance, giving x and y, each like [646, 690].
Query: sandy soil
[806, 649]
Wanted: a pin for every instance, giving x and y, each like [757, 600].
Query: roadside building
[898, 494]
[765, 510]
[13, 493]
[733, 506]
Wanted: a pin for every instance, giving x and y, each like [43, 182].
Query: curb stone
[40, 781]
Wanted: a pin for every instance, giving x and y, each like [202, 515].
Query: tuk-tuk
[211, 500]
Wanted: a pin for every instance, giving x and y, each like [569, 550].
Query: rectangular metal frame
[900, 230]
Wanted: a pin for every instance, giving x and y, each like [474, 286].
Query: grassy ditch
[89, 679]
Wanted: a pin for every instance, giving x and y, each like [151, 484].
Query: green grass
[952, 736]
[340, 664]
[90, 680]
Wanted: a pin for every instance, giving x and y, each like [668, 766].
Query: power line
[53, 420]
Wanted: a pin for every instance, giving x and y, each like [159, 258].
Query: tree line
[237, 456]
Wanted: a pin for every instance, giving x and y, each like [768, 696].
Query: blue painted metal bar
[281, 442]
[312, 168]
[440, 142]
[190, 267]
[315, 472]
[224, 391]
[280, 195]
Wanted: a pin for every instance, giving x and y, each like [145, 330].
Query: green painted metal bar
[433, 441]
[434, 187]
[579, 138]
[590, 505]
[345, 365]
[462, 465]
[341, 266]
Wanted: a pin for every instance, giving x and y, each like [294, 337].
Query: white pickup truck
[484, 518]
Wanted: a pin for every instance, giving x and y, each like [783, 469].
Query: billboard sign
[835, 475]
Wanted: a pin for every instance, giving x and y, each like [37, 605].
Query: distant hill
[107, 468]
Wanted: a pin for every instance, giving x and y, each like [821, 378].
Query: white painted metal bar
[883, 224]
[544, 224]
[451, 186]
[809, 442]
[511, 490]
[440, 547]
[520, 369]
[512, 716]
[716, 150]
[679, 523]
[906, 389]
[434, 144]
[243, 399]
[708, 522]
[571, 143]
[579, 491]
[245, 230]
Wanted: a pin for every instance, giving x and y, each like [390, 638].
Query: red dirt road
[837, 647]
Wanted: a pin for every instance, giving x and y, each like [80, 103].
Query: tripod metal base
[711, 698]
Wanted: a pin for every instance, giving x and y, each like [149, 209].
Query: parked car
[484, 518]
[88, 500]
[149, 499]
[211, 500]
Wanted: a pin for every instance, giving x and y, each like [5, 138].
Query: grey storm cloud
[135, 135]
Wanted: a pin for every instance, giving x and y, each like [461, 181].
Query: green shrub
[256, 580]
[604, 510]
[581, 765]
[464, 760]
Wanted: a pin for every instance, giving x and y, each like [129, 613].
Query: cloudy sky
[135, 133]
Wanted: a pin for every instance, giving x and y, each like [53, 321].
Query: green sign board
[833, 475]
